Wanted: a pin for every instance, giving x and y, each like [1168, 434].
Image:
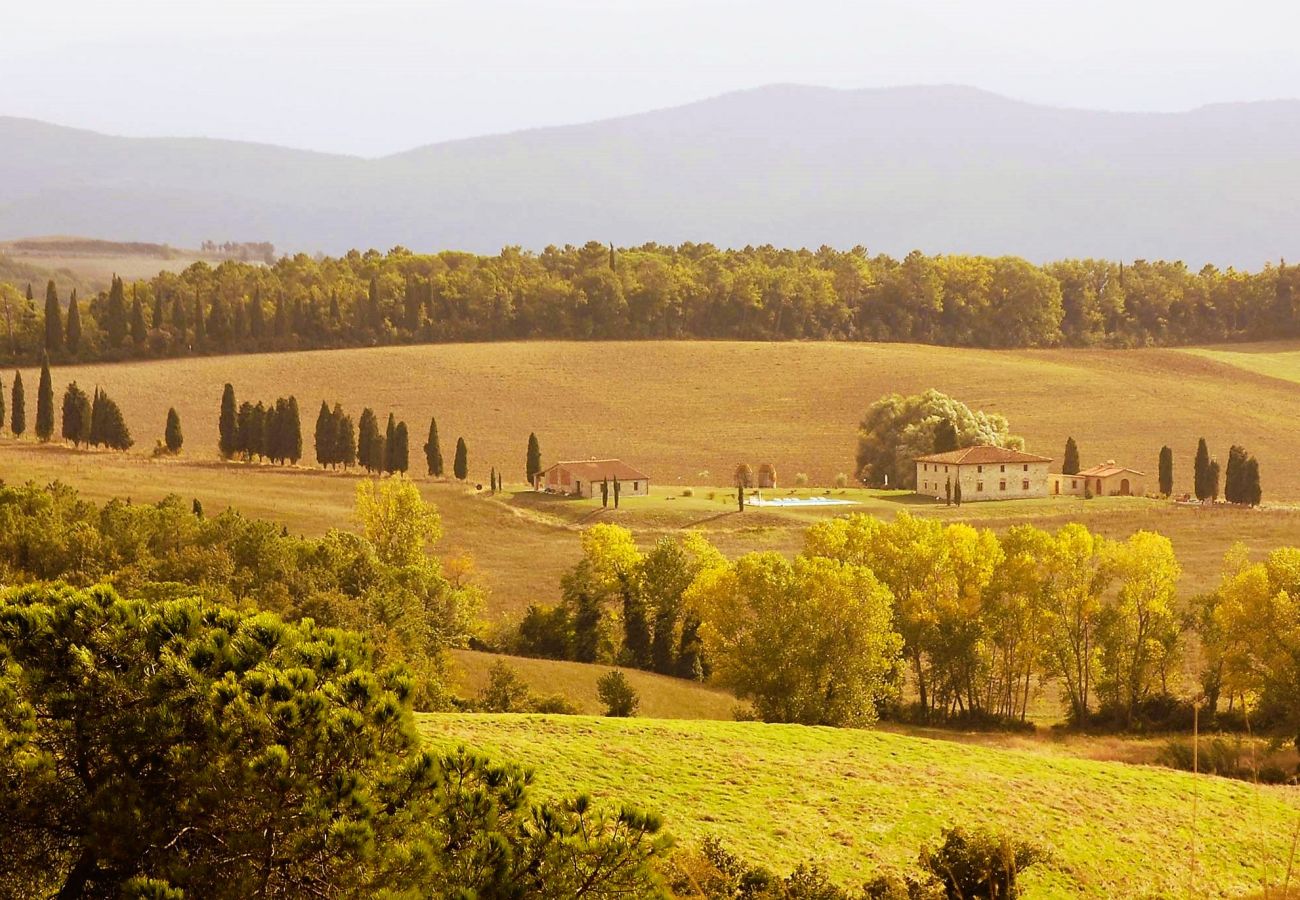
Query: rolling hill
[943, 169]
[863, 802]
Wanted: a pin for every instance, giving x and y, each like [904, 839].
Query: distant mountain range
[941, 169]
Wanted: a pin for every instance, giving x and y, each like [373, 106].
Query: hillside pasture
[863, 802]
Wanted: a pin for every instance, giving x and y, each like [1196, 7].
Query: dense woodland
[646, 292]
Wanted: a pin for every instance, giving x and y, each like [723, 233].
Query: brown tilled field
[687, 412]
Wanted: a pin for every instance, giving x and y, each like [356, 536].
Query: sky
[382, 76]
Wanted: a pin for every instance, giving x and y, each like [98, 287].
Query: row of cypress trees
[260, 431]
[1240, 480]
[85, 421]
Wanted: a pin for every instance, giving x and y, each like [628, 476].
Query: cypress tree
[291, 430]
[219, 329]
[281, 318]
[240, 327]
[274, 442]
[18, 409]
[1201, 471]
[53, 320]
[157, 321]
[1166, 471]
[172, 436]
[76, 416]
[533, 463]
[139, 332]
[368, 440]
[1234, 487]
[45, 402]
[327, 434]
[30, 295]
[256, 322]
[259, 431]
[945, 436]
[1070, 465]
[180, 321]
[3, 420]
[390, 444]
[228, 423]
[73, 336]
[245, 442]
[115, 323]
[1253, 491]
[200, 326]
[492, 480]
[636, 626]
[399, 453]
[116, 435]
[433, 450]
[690, 649]
[374, 316]
[1212, 480]
[347, 439]
[460, 466]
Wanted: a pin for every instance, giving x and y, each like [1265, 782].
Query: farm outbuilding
[1106, 480]
[984, 473]
[583, 478]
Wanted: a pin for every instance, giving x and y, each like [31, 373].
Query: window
[1074, 482]
[945, 468]
[636, 485]
[979, 468]
[979, 486]
[1002, 485]
[1002, 468]
[1024, 485]
[1026, 467]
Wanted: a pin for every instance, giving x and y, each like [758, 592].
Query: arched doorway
[1124, 488]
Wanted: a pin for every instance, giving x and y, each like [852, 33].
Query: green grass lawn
[862, 802]
[1276, 359]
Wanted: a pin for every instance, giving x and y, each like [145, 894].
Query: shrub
[972, 864]
[801, 479]
[618, 695]
[841, 480]
[555, 704]
[688, 492]
[505, 691]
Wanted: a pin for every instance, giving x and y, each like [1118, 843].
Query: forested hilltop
[650, 292]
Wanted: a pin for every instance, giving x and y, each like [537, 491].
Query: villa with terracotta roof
[984, 472]
[583, 478]
[1105, 480]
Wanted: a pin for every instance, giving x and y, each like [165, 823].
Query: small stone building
[985, 472]
[1106, 480]
[583, 478]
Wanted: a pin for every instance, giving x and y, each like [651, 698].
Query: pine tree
[139, 332]
[390, 444]
[73, 336]
[1234, 487]
[1253, 491]
[433, 450]
[1070, 465]
[1166, 471]
[327, 434]
[45, 402]
[533, 464]
[1201, 471]
[945, 436]
[53, 320]
[347, 439]
[399, 453]
[115, 323]
[460, 466]
[172, 435]
[228, 424]
[76, 416]
[18, 409]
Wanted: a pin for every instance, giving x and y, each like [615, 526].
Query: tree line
[87, 421]
[652, 291]
[969, 624]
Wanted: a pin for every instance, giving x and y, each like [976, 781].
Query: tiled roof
[600, 469]
[1107, 469]
[983, 454]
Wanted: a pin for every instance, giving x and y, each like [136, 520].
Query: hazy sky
[380, 76]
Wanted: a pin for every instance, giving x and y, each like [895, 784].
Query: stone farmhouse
[582, 478]
[984, 473]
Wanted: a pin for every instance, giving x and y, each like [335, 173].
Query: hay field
[861, 802]
[687, 412]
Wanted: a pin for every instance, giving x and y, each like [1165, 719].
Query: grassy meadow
[861, 802]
